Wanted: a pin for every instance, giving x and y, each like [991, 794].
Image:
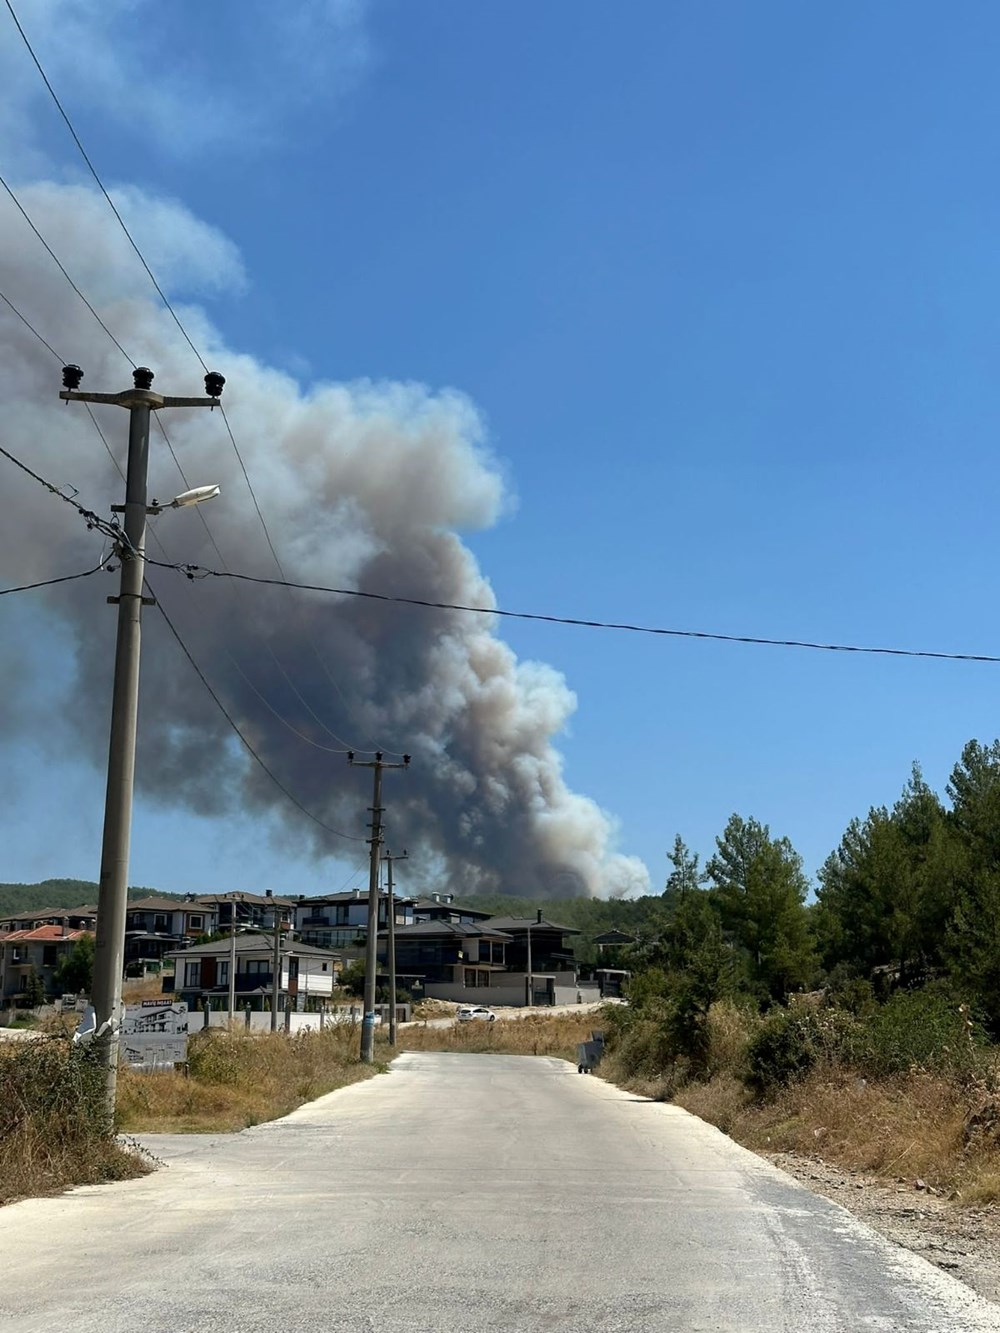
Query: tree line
[910, 895]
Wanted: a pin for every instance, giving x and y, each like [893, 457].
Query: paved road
[458, 1194]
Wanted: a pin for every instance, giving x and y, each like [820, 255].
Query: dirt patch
[963, 1240]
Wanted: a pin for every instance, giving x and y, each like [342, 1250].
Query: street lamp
[195, 497]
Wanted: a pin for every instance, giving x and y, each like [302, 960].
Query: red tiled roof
[45, 933]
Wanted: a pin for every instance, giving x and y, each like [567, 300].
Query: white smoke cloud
[364, 485]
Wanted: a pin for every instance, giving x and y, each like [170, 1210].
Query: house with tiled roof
[35, 952]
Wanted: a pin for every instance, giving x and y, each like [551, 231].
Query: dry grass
[535, 1034]
[238, 1079]
[144, 988]
[917, 1125]
[53, 1133]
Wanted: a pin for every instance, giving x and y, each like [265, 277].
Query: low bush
[54, 1131]
[928, 1029]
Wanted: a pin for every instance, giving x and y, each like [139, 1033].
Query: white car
[469, 1013]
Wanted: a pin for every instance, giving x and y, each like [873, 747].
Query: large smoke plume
[364, 485]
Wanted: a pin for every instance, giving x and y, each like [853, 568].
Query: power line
[100, 183]
[192, 571]
[349, 837]
[30, 327]
[65, 578]
[199, 572]
[58, 263]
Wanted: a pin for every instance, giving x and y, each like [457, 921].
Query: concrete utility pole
[371, 944]
[529, 981]
[391, 925]
[275, 968]
[232, 961]
[109, 955]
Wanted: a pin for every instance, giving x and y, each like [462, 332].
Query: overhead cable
[200, 572]
[48, 583]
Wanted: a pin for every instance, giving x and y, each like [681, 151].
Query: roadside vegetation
[862, 1027]
[237, 1079]
[53, 1132]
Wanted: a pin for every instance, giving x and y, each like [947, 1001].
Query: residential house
[73, 918]
[538, 942]
[441, 907]
[36, 951]
[248, 909]
[154, 926]
[488, 961]
[449, 954]
[340, 920]
[307, 974]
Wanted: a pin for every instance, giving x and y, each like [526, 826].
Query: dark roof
[614, 937]
[520, 924]
[154, 904]
[252, 942]
[361, 896]
[459, 929]
[38, 913]
[238, 896]
[432, 904]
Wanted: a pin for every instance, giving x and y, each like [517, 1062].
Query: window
[222, 973]
[160, 921]
[470, 976]
[49, 958]
[484, 978]
[325, 966]
[196, 922]
[192, 974]
[257, 966]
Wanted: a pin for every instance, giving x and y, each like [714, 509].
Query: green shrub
[783, 1050]
[921, 1029]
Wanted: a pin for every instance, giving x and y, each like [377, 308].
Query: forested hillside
[58, 893]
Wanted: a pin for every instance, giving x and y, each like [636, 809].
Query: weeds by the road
[238, 1079]
[535, 1034]
[53, 1131]
[895, 1094]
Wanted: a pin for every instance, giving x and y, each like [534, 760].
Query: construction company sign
[154, 1034]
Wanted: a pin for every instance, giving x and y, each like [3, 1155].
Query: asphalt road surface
[461, 1193]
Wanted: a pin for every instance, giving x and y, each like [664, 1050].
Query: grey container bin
[588, 1053]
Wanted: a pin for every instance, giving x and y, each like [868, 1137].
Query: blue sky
[722, 281]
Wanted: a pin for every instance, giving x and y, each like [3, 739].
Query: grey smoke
[364, 485]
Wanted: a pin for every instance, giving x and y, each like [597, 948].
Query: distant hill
[59, 893]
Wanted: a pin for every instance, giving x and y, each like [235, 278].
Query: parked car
[469, 1013]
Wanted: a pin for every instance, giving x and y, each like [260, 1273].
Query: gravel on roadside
[965, 1241]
